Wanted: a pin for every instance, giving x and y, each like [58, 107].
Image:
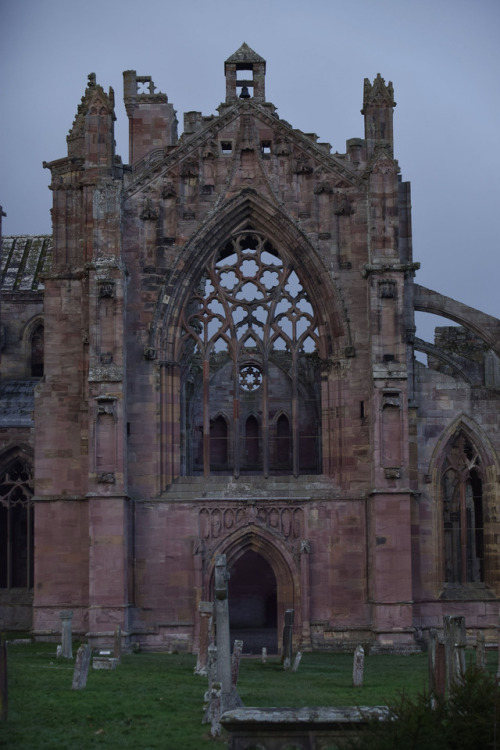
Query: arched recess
[33, 344]
[465, 471]
[285, 567]
[265, 349]
[16, 518]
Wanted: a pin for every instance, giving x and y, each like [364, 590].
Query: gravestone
[205, 610]
[296, 661]
[264, 655]
[229, 696]
[4, 689]
[104, 662]
[287, 652]
[117, 646]
[213, 695]
[437, 665]
[235, 662]
[498, 667]
[358, 666]
[82, 665]
[66, 636]
[455, 641]
[480, 650]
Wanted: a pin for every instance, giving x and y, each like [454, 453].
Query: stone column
[3, 676]
[205, 610]
[437, 666]
[286, 657]
[229, 697]
[454, 644]
[117, 648]
[480, 650]
[66, 642]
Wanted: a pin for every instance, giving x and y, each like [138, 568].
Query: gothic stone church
[214, 353]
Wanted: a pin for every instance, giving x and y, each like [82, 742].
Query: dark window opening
[226, 147]
[37, 352]
[463, 525]
[218, 444]
[252, 443]
[16, 526]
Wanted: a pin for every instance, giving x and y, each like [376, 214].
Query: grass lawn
[154, 701]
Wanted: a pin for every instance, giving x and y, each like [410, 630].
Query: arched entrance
[266, 579]
[253, 602]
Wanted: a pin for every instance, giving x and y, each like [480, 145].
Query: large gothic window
[16, 525]
[249, 369]
[463, 514]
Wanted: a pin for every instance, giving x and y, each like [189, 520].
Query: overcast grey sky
[443, 57]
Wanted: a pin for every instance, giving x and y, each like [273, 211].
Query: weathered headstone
[498, 667]
[66, 616]
[480, 650]
[205, 610]
[104, 662]
[117, 646]
[229, 696]
[437, 665]
[287, 653]
[358, 666]
[264, 655]
[296, 661]
[454, 644]
[82, 665]
[235, 662]
[4, 687]
[213, 694]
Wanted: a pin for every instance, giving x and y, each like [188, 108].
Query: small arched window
[16, 525]
[462, 492]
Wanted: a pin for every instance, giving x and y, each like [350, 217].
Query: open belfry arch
[214, 353]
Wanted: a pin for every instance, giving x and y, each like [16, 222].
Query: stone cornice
[388, 267]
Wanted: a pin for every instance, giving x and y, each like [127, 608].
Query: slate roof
[24, 259]
[17, 402]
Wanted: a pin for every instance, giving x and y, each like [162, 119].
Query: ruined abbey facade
[214, 353]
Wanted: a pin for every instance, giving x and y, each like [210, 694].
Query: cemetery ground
[154, 700]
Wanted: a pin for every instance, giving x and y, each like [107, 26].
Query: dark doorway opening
[253, 604]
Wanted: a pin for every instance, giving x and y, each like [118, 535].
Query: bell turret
[245, 73]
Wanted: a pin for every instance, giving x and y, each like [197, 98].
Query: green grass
[154, 701]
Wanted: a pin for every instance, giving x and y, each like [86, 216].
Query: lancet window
[249, 366]
[462, 489]
[16, 525]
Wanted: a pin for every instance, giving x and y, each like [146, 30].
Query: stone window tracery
[249, 343]
[462, 491]
[16, 525]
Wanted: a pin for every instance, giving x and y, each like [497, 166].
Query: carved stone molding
[106, 288]
[283, 519]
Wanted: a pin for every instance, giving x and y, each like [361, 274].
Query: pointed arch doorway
[253, 603]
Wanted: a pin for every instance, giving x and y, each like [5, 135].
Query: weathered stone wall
[353, 534]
